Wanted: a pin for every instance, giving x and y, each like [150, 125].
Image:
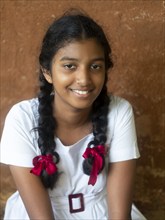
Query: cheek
[62, 82]
[99, 81]
[59, 78]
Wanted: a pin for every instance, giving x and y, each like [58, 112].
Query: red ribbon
[43, 162]
[97, 154]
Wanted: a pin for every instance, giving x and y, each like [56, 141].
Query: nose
[83, 77]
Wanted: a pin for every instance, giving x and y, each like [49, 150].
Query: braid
[99, 121]
[69, 27]
[46, 128]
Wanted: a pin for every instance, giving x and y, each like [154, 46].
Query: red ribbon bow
[43, 162]
[97, 153]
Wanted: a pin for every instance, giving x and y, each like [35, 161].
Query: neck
[72, 119]
[70, 116]
[72, 125]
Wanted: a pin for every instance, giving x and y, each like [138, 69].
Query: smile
[80, 92]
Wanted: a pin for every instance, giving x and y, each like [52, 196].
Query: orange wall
[136, 32]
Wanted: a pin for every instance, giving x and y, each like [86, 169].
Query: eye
[95, 66]
[69, 66]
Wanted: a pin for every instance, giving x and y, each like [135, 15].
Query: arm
[33, 193]
[120, 184]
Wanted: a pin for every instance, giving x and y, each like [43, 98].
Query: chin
[82, 106]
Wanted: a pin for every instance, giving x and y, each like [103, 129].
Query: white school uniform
[19, 146]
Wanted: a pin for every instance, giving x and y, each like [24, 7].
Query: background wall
[136, 32]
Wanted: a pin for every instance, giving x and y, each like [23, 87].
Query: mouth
[81, 93]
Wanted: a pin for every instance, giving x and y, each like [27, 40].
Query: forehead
[83, 49]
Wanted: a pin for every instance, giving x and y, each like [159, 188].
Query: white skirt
[96, 210]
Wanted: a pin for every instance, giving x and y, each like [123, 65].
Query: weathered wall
[136, 30]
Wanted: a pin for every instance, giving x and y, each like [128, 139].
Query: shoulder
[121, 131]
[119, 106]
[120, 114]
[27, 109]
[118, 103]
[19, 136]
[25, 105]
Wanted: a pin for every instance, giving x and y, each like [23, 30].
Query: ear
[47, 75]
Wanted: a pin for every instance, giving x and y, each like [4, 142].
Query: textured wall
[136, 32]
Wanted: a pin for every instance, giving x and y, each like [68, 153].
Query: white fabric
[19, 147]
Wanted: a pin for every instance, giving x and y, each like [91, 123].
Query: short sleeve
[122, 132]
[19, 141]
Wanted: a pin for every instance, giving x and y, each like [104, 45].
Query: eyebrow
[74, 59]
[68, 58]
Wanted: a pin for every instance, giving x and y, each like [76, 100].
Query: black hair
[69, 27]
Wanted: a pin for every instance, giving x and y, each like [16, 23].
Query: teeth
[81, 92]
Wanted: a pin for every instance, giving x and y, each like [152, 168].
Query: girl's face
[77, 74]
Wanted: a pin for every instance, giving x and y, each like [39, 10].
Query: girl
[72, 151]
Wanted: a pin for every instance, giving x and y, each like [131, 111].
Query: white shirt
[19, 147]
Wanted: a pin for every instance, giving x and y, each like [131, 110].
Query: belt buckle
[81, 199]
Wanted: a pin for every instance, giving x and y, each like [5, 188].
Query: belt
[73, 206]
[76, 202]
